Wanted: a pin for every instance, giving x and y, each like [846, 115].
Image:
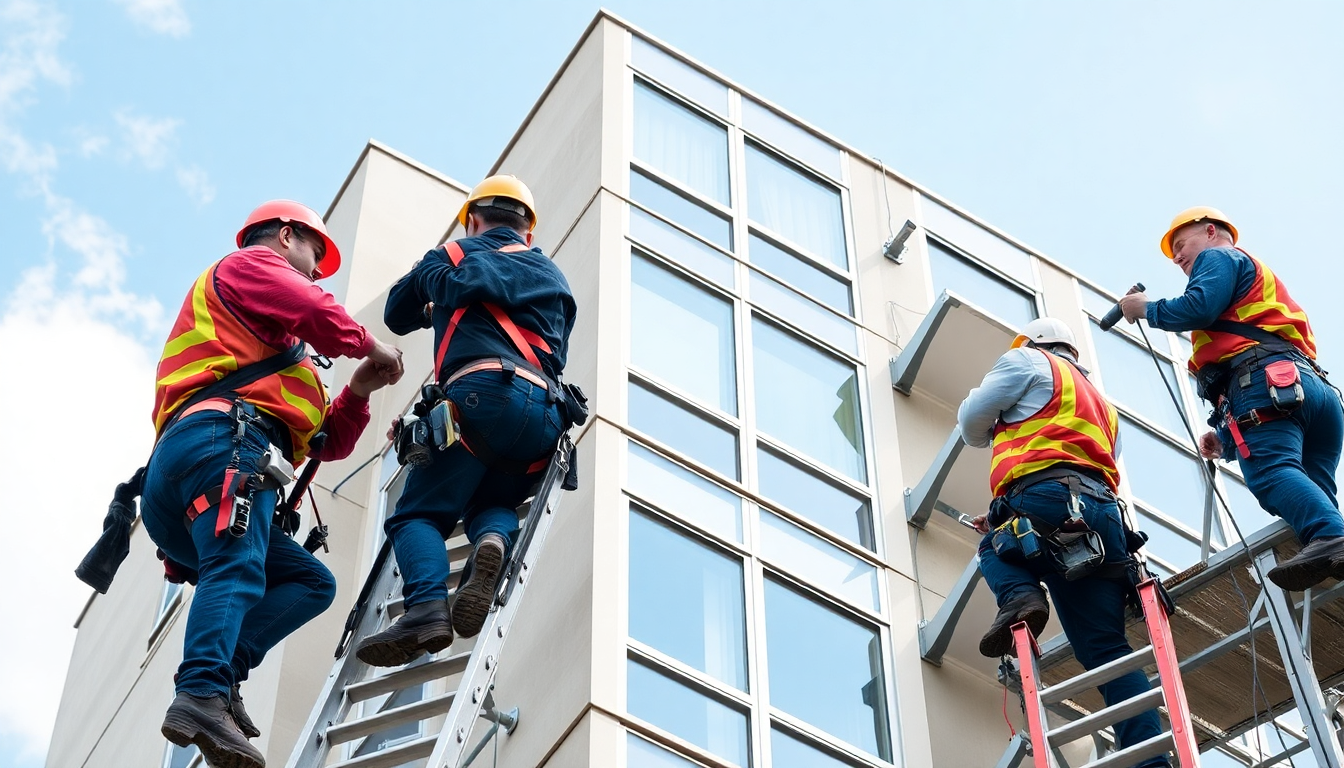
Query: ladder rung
[1099, 676]
[410, 713]
[393, 756]
[1153, 747]
[1103, 717]
[408, 676]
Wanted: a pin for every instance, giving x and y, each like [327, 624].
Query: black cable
[1211, 474]
[356, 470]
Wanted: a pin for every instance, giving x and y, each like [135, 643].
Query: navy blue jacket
[1220, 277]
[526, 285]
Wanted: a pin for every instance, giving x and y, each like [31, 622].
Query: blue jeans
[1091, 609]
[1292, 466]
[252, 592]
[512, 416]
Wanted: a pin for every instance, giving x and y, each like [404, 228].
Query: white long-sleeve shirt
[1019, 385]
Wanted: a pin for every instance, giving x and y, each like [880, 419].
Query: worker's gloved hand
[1210, 446]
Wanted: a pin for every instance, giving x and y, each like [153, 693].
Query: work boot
[476, 594]
[205, 722]
[423, 628]
[1318, 560]
[245, 724]
[1030, 607]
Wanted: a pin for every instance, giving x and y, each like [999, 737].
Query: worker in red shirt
[254, 585]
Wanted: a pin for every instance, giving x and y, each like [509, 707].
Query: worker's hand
[1135, 305]
[429, 312]
[1210, 445]
[981, 523]
[389, 357]
[392, 430]
[370, 376]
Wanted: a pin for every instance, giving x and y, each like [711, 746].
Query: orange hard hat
[1190, 216]
[290, 211]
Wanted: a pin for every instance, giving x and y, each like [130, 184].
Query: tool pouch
[1077, 554]
[574, 406]
[1017, 541]
[1285, 385]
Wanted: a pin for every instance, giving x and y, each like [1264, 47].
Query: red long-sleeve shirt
[280, 306]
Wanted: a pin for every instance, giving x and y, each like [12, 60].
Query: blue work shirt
[1220, 277]
[525, 284]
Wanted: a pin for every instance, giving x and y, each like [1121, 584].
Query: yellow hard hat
[501, 185]
[1191, 215]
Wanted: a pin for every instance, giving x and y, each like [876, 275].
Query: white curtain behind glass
[792, 204]
[681, 144]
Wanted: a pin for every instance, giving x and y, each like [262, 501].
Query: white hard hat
[1046, 330]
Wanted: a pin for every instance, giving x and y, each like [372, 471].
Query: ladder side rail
[1031, 693]
[478, 679]
[1306, 689]
[310, 751]
[1169, 670]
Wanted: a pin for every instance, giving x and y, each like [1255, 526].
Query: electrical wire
[1211, 474]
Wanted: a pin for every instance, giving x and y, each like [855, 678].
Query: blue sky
[135, 135]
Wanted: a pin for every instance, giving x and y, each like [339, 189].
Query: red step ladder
[1171, 693]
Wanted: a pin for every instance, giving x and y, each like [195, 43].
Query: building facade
[745, 573]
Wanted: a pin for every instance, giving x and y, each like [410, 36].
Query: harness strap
[522, 338]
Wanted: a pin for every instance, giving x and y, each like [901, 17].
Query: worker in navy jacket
[1254, 358]
[502, 313]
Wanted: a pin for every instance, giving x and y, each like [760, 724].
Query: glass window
[976, 240]
[789, 751]
[1095, 301]
[791, 138]
[168, 597]
[686, 212]
[674, 706]
[686, 601]
[829, 674]
[838, 510]
[1172, 546]
[1180, 344]
[818, 561]
[704, 440]
[1000, 298]
[1130, 379]
[682, 334]
[801, 274]
[641, 753]
[681, 144]
[803, 312]
[679, 76]
[671, 242]
[1162, 475]
[182, 757]
[808, 399]
[1246, 510]
[667, 485]
[787, 201]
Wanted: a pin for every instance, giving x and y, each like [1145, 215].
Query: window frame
[989, 270]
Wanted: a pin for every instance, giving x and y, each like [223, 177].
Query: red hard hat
[287, 211]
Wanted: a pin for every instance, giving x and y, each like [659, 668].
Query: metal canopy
[951, 351]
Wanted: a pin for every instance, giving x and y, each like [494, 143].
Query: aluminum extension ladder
[1171, 693]
[350, 681]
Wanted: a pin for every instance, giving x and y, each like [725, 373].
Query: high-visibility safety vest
[1268, 307]
[208, 342]
[1076, 427]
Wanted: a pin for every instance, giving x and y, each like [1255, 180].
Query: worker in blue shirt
[502, 313]
[1254, 359]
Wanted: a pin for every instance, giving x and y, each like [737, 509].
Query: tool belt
[1283, 379]
[235, 494]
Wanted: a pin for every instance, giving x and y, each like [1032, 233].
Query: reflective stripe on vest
[208, 342]
[1076, 427]
[524, 340]
[1267, 306]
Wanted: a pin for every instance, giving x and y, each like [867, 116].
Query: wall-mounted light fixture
[894, 248]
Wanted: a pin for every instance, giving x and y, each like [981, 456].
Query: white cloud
[167, 17]
[91, 144]
[196, 182]
[32, 33]
[147, 139]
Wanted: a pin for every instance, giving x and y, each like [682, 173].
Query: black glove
[101, 563]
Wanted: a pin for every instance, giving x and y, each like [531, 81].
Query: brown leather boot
[206, 723]
[476, 596]
[1030, 607]
[424, 627]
